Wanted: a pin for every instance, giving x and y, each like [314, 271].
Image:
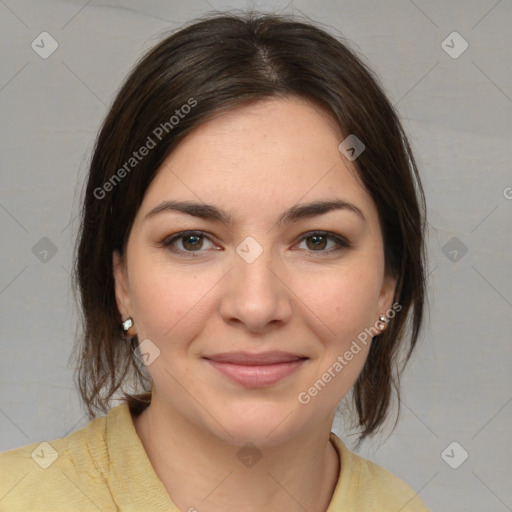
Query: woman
[250, 250]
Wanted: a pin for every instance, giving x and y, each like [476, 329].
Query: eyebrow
[293, 214]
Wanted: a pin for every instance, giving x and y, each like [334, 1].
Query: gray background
[458, 114]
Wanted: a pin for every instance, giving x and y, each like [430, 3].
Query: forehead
[260, 158]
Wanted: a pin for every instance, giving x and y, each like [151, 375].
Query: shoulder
[370, 487]
[52, 474]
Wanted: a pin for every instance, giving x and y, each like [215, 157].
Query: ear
[121, 285]
[386, 295]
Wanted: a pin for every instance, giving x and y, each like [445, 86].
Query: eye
[191, 241]
[319, 241]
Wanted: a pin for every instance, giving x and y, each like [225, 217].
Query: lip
[256, 370]
[255, 359]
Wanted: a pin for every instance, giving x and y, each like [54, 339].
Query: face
[250, 279]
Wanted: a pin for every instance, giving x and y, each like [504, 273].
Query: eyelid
[341, 241]
[168, 240]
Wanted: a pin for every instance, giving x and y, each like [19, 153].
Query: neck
[201, 472]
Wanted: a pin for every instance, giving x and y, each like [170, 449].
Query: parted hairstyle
[212, 65]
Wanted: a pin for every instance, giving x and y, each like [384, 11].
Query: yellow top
[104, 467]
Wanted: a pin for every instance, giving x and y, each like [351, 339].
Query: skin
[255, 162]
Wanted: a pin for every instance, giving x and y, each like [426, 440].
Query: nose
[256, 295]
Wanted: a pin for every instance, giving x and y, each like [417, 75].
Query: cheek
[341, 303]
[168, 301]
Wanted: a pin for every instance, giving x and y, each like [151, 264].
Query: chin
[260, 425]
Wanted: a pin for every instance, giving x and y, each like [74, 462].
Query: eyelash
[167, 242]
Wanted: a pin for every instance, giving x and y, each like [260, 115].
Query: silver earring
[129, 328]
[128, 323]
[382, 322]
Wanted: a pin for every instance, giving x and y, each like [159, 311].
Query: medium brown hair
[218, 63]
